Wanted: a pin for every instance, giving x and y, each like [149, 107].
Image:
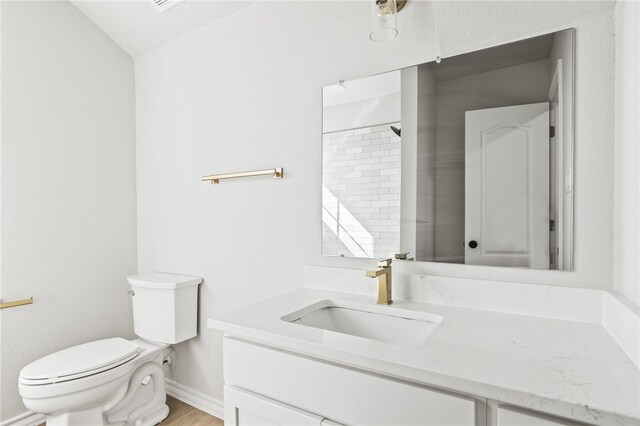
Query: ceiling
[138, 26]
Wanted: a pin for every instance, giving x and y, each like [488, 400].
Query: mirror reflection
[464, 161]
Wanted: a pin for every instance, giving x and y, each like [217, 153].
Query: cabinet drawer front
[243, 408]
[345, 395]
[511, 416]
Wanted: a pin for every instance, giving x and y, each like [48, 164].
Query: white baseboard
[194, 398]
[25, 419]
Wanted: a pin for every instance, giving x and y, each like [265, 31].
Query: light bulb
[383, 20]
[384, 9]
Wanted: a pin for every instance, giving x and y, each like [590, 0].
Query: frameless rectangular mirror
[466, 160]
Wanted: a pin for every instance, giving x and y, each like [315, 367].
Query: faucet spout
[383, 273]
[376, 273]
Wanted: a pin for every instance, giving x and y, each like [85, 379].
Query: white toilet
[117, 381]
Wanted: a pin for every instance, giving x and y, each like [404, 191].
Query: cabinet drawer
[243, 408]
[511, 416]
[343, 394]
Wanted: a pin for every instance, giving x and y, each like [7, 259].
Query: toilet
[117, 381]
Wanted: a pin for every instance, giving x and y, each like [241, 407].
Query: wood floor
[183, 414]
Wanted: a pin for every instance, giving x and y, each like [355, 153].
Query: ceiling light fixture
[384, 19]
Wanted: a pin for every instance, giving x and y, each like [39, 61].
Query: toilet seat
[79, 361]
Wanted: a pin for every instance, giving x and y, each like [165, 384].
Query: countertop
[566, 368]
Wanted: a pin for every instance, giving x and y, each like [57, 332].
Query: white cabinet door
[244, 408]
[507, 186]
[509, 416]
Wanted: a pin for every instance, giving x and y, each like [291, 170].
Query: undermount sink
[383, 323]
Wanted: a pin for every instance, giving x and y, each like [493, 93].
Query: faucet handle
[384, 263]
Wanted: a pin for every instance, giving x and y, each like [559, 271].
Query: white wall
[244, 93]
[627, 211]
[68, 185]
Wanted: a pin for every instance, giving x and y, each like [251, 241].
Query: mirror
[466, 160]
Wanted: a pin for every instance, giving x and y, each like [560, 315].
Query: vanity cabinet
[505, 415]
[268, 386]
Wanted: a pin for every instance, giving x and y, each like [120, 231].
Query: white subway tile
[383, 153]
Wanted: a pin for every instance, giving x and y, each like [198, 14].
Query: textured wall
[68, 185]
[244, 93]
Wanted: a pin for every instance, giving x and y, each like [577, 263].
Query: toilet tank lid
[163, 281]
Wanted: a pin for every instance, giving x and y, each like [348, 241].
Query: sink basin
[383, 323]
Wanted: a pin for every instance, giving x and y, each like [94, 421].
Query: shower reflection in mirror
[466, 161]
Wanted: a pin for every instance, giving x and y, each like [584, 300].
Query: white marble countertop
[567, 368]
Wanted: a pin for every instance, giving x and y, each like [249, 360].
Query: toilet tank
[165, 306]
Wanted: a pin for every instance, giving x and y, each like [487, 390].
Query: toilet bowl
[116, 381]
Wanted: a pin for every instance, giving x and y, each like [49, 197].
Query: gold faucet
[383, 273]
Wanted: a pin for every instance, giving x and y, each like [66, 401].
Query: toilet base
[92, 416]
[144, 403]
[155, 417]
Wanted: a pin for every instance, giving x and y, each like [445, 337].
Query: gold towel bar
[28, 301]
[277, 173]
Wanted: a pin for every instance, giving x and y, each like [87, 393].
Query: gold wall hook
[15, 303]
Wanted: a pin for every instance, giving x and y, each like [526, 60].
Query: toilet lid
[80, 361]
